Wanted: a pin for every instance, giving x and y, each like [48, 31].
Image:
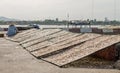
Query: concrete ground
[15, 59]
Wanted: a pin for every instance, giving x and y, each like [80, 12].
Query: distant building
[57, 19]
[106, 19]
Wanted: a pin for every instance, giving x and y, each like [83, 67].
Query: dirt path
[14, 59]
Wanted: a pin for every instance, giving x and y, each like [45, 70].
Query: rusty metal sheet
[43, 37]
[83, 50]
[41, 45]
[47, 31]
[65, 44]
[42, 34]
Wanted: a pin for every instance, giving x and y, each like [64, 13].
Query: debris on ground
[91, 62]
[117, 65]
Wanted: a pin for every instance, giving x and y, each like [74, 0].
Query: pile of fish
[61, 47]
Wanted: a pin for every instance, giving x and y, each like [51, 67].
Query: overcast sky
[51, 9]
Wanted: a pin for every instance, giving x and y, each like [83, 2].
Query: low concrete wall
[95, 30]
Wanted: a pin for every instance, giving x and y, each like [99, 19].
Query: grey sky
[51, 9]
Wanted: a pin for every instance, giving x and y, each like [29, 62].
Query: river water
[54, 26]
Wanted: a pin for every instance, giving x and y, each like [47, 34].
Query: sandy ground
[15, 59]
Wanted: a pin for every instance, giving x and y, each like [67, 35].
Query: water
[53, 26]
